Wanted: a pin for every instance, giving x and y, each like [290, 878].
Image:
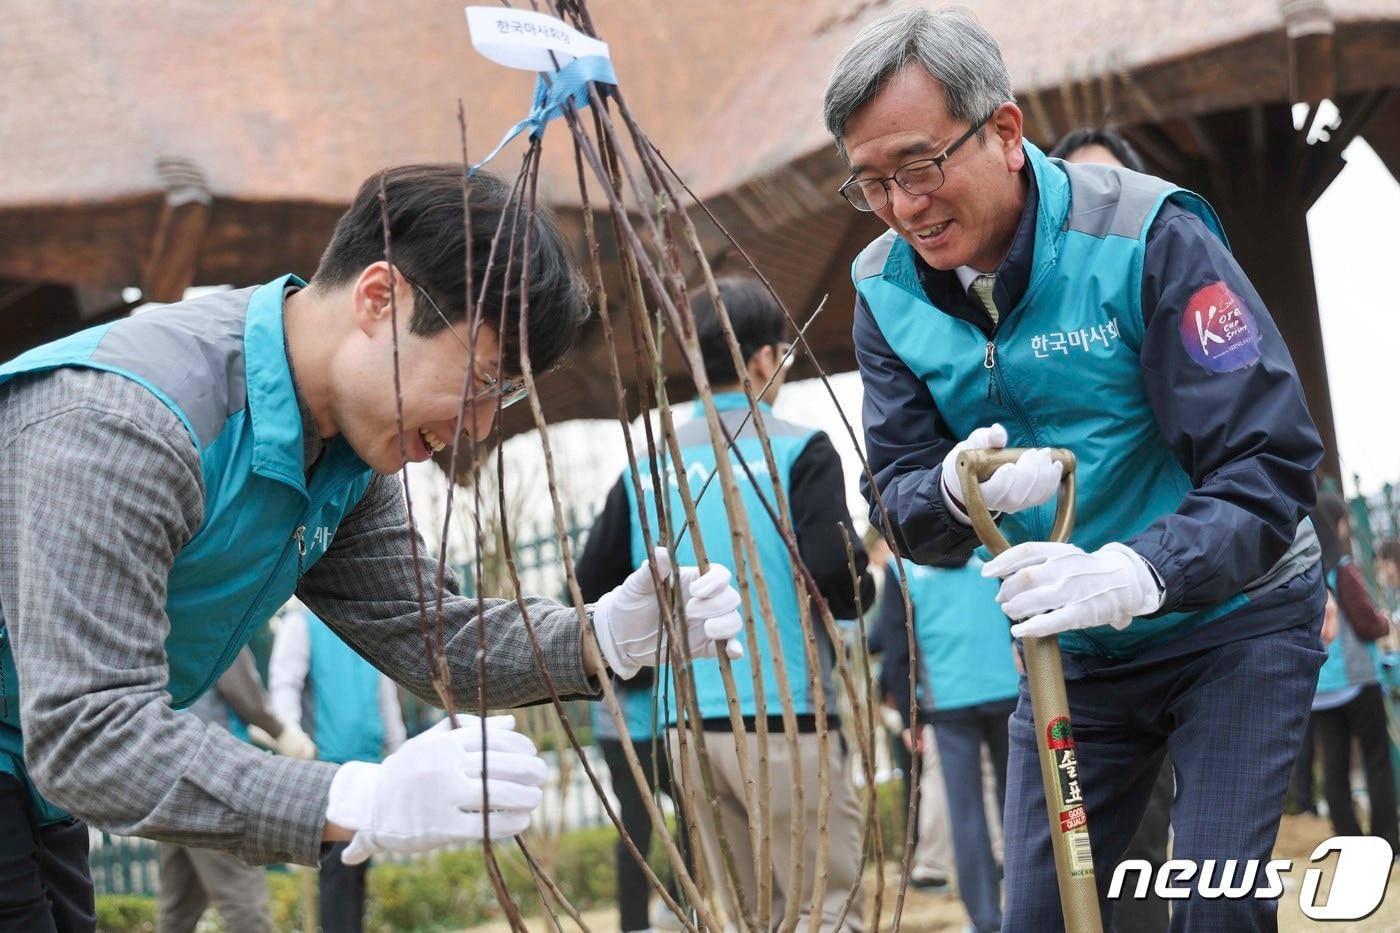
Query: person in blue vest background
[645, 726]
[191, 878]
[966, 680]
[169, 480]
[352, 712]
[811, 477]
[1349, 708]
[1022, 301]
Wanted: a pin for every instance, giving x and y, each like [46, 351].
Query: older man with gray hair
[1018, 300]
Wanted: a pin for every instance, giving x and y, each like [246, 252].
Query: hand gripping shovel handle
[1059, 763]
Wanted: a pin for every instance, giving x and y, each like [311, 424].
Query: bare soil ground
[939, 912]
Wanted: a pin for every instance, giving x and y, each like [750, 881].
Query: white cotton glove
[1051, 587]
[291, 743]
[628, 619]
[430, 792]
[1030, 481]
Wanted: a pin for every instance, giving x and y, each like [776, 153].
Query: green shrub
[287, 894]
[125, 913]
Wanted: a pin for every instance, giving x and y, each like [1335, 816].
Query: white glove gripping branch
[431, 791]
[627, 620]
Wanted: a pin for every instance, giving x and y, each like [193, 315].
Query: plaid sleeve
[100, 487]
[364, 588]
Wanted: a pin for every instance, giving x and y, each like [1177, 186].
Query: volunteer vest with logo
[788, 442]
[963, 636]
[219, 363]
[347, 724]
[1350, 662]
[1065, 365]
[643, 711]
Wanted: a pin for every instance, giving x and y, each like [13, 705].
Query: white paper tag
[524, 39]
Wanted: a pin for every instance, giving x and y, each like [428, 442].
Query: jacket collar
[272, 398]
[1034, 247]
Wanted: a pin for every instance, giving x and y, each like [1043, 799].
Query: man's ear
[370, 297]
[762, 365]
[1007, 124]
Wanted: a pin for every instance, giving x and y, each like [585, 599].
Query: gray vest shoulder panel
[1106, 200]
[697, 431]
[179, 347]
[871, 261]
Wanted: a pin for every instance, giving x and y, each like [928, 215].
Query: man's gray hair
[948, 44]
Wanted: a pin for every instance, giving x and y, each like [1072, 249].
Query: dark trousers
[633, 888]
[961, 734]
[45, 885]
[904, 762]
[342, 892]
[1301, 790]
[1363, 719]
[1231, 717]
[1149, 915]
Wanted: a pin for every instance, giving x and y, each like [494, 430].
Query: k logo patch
[1218, 331]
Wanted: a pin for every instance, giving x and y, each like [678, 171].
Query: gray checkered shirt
[100, 488]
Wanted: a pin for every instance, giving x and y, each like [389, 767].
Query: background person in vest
[1349, 706]
[169, 480]
[646, 727]
[811, 476]
[352, 710]
[1149, 915]
[967, 692]
[1023, 301]
[191, 879]
[887, 638]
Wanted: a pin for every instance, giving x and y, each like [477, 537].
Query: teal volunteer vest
[219, 363]
[1350, 662]
[788, 442]
[963, 636]
[345, 691]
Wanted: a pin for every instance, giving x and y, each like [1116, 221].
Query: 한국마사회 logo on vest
[1218, 331]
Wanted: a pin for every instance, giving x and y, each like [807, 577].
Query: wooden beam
[1311, 33]
[184, 218]
[1158, 150]
[1383, 135]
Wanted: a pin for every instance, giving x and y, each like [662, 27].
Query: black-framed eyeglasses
[922, 176]
[510, 391]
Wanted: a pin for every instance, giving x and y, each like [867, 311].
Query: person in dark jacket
[1019, 301]
[1349, 706]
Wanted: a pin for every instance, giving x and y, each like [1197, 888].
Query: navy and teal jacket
[1351, 661]
[220, 364]
[345, 718]
[810, 474]
[962, 637]
[1132, 337]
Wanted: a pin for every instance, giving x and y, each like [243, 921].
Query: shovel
[1059, 764]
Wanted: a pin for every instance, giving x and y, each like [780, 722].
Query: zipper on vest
[989, 363]
[300, 537]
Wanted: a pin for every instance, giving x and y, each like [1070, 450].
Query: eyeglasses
[922, 176]
[509, 391]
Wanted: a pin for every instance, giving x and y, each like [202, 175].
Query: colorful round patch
[1218, 331]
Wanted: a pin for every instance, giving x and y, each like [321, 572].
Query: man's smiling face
[971, 218]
